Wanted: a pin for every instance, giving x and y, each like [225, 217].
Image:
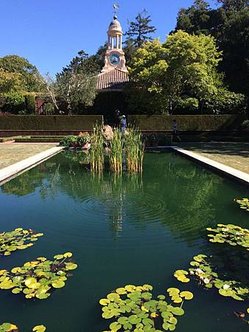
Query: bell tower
[114, 57]
[114, 75]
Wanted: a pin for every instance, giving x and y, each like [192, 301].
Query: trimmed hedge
[50, 122]
[186, 122]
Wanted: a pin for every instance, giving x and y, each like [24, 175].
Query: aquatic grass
[124, 151]
[116, 152]
[134, 150]
[97, 150]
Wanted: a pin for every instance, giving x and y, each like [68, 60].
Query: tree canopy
[140, 30]
[28, 73]
[229, 24]
[182, 72]
[76, 84]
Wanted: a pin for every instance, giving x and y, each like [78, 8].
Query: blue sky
[49, 33]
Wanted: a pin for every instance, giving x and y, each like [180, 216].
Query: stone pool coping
[20, 167]
[227, 170]
[10, 172]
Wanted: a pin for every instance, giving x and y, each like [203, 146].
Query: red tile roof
[112, 80]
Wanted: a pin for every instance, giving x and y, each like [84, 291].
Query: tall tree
[229, 24]
[234, 5]
[181, 71]
[76, 84]
[139, 31]
[28, 72]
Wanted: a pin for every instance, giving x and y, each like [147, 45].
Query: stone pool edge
[10, 172]
[227, 170]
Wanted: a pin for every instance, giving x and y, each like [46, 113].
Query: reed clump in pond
[122, 150]
[116, 152]
[134, 150]
[97, 151]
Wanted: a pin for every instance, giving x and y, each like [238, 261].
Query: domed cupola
[114, 73]
[115, 27]
[115, 34]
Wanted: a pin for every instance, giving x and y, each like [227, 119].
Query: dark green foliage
[58, 122]
[30, 104]
[185, 122]
[49, 108]
[140, 30]
[229, 24]
[106, 103]
[75, 141]
[14, 103]
[234, 5]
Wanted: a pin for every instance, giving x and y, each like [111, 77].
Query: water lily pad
[181, 275]
[115, 326]
[39, 328]
[71, 266]
[187, 295]
[8, 327]
[58, 283]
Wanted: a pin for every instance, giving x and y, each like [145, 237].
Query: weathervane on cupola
[114, 57]
[114, 74]
[116, 8]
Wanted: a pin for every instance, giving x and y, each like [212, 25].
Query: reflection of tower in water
[122, 187]
[115, 190]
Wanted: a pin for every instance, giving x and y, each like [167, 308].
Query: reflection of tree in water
[111, 190]
[28, 182]
[187, 193]
[171, 190]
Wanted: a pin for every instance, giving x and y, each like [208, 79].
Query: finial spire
[116, 8]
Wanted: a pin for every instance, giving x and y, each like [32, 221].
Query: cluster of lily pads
[244, 203]
[230, 234]
[203, 269]
[18, 239]
[37, 278]
[8, 327]
[209, 270]
[133, 309]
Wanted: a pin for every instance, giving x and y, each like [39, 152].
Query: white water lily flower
[206, 280]
[226, 286]
[199, 270]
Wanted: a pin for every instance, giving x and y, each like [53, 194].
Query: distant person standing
[117, 118]
[123, 124]
[175, 135]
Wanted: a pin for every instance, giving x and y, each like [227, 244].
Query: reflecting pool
[133, 229]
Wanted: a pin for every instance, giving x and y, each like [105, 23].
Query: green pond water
[128, 230]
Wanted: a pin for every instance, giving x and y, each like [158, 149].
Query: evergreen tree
[139, 32]
[229, 24]
[234, 5]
